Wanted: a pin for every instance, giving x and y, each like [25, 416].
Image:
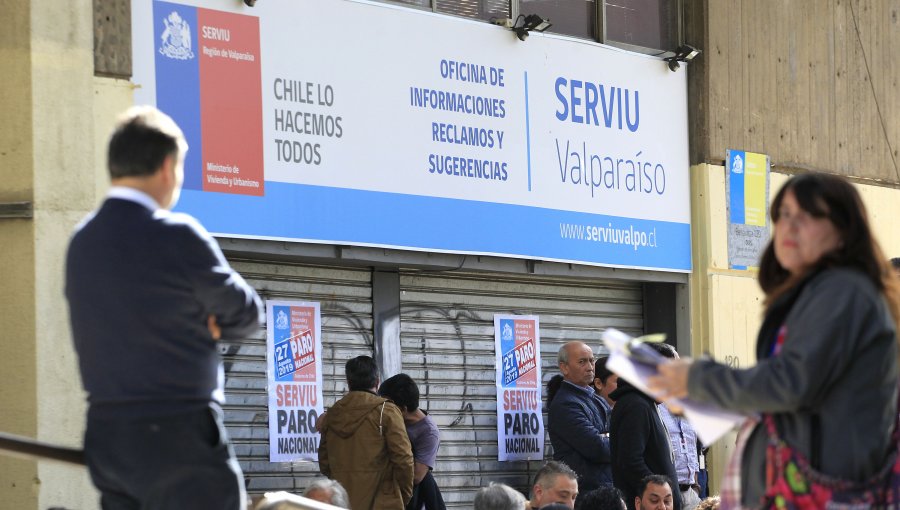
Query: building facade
[815, 88]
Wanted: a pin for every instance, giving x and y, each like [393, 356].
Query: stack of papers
[636, 365]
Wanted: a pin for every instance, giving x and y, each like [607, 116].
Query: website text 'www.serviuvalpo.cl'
[610, 235]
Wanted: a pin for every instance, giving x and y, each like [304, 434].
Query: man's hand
[672, 380]
[214, 330]
[419, 472]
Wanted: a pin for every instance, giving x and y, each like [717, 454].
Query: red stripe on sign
[230, 103]
[303, 326]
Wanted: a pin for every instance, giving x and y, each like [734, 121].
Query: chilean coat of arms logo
[506, 333]
[737, 165]
[281, 320]
[176, 38]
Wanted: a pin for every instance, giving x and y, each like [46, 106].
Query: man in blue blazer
[579, 420]
[149, 294]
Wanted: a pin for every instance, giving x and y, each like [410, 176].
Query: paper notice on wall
[747, 187]
[294, 366]
[520, 429]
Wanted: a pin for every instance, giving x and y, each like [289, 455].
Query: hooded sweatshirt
[364, 446]
[639, 443]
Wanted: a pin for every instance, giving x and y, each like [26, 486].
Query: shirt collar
[133, 195]
[587, 390]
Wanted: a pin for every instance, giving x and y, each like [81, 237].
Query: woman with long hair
[826, 379]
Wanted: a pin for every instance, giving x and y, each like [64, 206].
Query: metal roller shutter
[447, 336]
[345, 295]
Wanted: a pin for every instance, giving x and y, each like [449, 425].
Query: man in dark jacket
[578, 422]
[364, 445]
[639, 443]
[149, 295]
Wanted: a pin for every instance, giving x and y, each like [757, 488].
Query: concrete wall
[62, 125]
[57, 116]
[813, 84]
[17, 315]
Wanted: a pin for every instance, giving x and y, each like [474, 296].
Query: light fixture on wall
[684, 53]
[250, 3]
[524, 24]
[530, 23]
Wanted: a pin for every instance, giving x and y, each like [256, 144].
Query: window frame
[600, 23]
[600, 34]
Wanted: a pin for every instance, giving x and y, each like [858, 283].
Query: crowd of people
[610, 437]
[614, 447]
[555, 488]
[827, 350]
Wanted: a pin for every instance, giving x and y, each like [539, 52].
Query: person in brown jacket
[364, 445]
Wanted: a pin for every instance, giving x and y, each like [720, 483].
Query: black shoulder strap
[815, 441]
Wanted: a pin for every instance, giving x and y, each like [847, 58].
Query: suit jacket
[140, 286]
[576, 420]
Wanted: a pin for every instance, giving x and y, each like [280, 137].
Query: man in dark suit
[578, 422]
[149, 294]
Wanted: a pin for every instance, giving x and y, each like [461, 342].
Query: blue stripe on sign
[178, 83]
[736, 187]
[336, 215]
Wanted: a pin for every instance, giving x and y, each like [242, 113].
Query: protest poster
[520, 429]
[294, 367]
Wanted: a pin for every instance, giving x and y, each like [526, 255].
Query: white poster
[294, 366]
[520, 428]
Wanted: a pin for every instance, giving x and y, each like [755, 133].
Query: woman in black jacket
[827, 370]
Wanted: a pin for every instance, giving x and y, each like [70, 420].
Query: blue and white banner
[392, 127]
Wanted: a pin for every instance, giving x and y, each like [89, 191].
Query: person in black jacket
[578, 423]
[639, 443]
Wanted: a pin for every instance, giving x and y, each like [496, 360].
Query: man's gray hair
[562, 355]
[338, 493]
[546, 476]
[498, 496]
